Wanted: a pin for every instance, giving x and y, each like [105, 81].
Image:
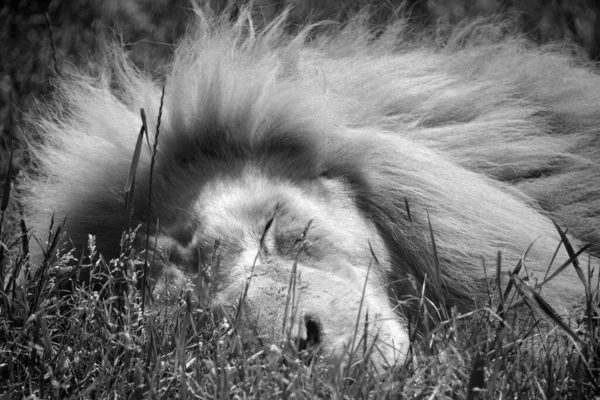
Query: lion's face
[259, 228]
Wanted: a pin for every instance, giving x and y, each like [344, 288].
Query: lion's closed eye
[291, 238]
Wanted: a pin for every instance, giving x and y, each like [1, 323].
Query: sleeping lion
[362, 167]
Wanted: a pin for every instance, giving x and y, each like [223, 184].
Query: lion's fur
[485, 139]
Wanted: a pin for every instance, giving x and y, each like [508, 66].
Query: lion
[364, 165]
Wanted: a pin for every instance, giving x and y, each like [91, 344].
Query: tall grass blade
[572, 256]
[500, 309]
[7, 185]
[565, 265]
[407, 206]
[150, 181]
[545, 307]
[436, 274]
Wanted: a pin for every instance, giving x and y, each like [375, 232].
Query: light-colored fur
[484, 138]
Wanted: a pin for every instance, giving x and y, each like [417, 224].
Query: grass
[64, 338]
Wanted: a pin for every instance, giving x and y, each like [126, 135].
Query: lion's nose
[313, 331]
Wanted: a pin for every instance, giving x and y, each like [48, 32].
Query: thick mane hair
[484, 139]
